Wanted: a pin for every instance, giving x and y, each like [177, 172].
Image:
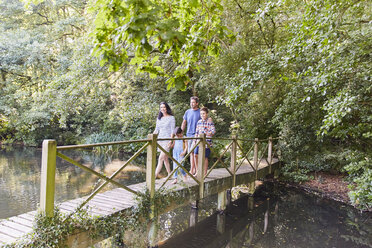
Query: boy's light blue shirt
[192, 117]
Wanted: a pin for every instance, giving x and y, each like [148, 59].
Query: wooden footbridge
[248, 160]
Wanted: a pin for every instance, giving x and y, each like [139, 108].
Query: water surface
[20, 169]
[276, 216]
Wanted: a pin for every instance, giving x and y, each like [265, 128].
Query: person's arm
[196, 132]
[171, 143]
[211, 128]
[172, 127]
[157, 126]
[185, 149]
[183, 126]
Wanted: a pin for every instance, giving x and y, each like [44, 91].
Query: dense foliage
[300, 70]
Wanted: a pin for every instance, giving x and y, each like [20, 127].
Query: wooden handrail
[59, 148]
[94, 172]
[51, 151]
[179, 164]
[124, 142]
[219, 160]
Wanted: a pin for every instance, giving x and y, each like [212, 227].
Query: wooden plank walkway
[119, 200]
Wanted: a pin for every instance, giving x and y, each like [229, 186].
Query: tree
[35, 47]
[163, 38]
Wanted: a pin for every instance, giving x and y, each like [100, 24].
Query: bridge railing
[240, 150]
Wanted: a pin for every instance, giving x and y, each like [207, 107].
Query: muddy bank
[326, 185]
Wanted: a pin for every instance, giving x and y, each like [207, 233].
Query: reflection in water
[275, 217]
[278, 217]
[20, 177]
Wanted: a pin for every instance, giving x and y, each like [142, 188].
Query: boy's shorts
[189, 144]
[207, 151]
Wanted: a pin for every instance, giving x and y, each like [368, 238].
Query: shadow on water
[280, 217]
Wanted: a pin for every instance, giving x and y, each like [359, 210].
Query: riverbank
[327, 185]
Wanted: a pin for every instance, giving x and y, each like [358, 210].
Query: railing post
[255, 155]
[151, 165]
[201, 165]
[269, 152]
[150, 183]
[48, 173]
[233, 159]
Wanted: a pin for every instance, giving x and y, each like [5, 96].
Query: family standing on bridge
[197, 122]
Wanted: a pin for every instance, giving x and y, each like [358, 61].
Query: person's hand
[209, 120]
[170, 144]
[182, 154]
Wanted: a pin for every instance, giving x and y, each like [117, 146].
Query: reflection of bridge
[238, 162]
[223, 230]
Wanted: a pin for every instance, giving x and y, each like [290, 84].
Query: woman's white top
[164, 128]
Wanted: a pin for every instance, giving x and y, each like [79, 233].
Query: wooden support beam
[193, 217]
[151, 164]
[221, 223]
[152, 232]
[269, 153]
[48, 171]
[250, 203]
[201, 164]
[233, 159]
[152, 229]
[221, 201]
[252, 187]
[251, 232]
[266, 218]
[255, 155]
[276, 173]
[228, 197]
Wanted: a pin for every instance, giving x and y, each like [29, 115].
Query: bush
[103, 138]
[6, 133]
[360, 174]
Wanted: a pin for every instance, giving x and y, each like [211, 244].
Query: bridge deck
[119, 200]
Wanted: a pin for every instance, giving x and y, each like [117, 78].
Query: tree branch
[46, 18]
[17, 74]
[263, 34]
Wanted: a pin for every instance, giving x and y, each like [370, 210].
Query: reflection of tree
[19, 184]
[308, 221]
[20, 178]
[359, 228]
[287, 218]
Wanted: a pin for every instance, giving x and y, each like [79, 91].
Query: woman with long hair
[165, 124]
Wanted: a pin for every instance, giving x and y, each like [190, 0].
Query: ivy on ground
[54, 231]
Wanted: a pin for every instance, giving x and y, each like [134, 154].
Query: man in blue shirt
[191, 118]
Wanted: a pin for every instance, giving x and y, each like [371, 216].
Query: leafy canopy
[162, 38]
